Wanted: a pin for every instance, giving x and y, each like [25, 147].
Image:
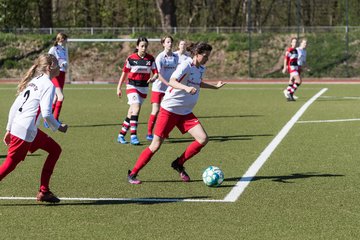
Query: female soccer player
[291, 65]
[176, 110]
[137, 68]
[34, 97]
[302, 55]
[59, 51]
[182, 52]
[166, 63]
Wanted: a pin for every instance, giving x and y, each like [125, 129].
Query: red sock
[143, 159]
[54, 151]
[151, 123]
[193, 149]
[57, 109]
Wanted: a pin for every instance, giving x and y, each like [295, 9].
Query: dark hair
[141, 39]
[165, 37]
[198, 48]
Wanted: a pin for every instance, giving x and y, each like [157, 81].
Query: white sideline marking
[331, 121]
[259, 162]
[240, 185]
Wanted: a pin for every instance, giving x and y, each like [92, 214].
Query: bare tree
[167, 10]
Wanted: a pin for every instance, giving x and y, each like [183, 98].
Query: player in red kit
[291, 66]
[138, 68]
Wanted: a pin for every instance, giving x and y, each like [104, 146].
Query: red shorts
[59, 81]
[156, 97]
[19, 148]
[166, 121]
[41, 141]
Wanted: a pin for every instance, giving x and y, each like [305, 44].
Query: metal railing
[218, 30]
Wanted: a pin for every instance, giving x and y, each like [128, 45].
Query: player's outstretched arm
[218, 85]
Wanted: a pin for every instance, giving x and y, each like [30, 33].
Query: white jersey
[301, 56]
[36, 98]
[60, 53]
[166, 65]
[179, 101]
[183, 57]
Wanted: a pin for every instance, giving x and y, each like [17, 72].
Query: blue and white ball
[213, 176]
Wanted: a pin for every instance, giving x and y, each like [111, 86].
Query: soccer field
[291, 170]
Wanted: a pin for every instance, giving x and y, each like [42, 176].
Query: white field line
[235, 192]
[240, 186]
[331, 121]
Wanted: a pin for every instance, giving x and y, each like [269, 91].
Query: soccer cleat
[149, 137]
[121, 139]
[286, 94]
[295, 97]
[47, 197]
[132, 178]
[181, 170]
[134, 140]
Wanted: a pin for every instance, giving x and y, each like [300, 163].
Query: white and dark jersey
[179, 101]
[301, 56]
[24, 114]
[183, 57]
[166, 65]
[60, 53]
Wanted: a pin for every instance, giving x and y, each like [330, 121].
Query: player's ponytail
[39, 67]
[58, 38]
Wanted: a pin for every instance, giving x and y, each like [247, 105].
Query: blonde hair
[60, 36]
[39, 67]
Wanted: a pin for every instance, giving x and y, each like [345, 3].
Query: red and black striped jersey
[292, 59]
[139, 68]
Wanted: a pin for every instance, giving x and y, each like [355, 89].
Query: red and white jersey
[292, 60]
[183, 57]
[166, 65]
[301, 56]
[60, 53]
[179, 101]
[139, 69]
[24, 115]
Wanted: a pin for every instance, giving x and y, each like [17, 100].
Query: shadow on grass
[145, 123]
[231, 116]
[142, 201]
[285, 178]
[220, 138]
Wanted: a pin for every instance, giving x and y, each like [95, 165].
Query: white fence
[218, 30]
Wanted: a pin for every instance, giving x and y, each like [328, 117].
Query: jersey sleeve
[46, 107]
[181, 71]
[14, 107]
[127, 66]
[154, 68]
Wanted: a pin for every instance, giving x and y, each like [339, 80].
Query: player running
[59, 51]
[291, 65]
[176, 110]
[166, 63]
[137, 69]
[34, 98]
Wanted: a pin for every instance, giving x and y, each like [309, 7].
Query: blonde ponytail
[39, 67]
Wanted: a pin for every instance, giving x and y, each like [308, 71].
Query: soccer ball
[213, 176]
